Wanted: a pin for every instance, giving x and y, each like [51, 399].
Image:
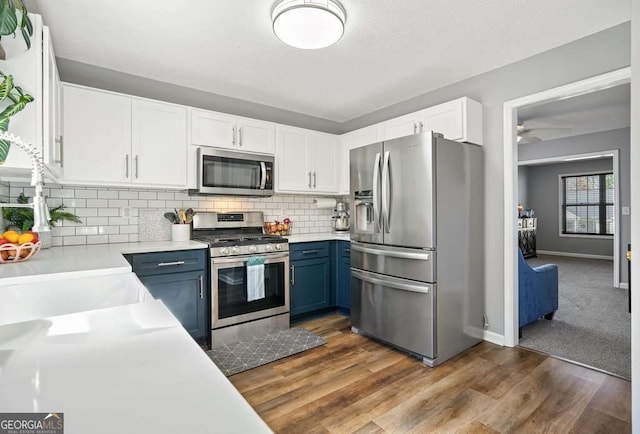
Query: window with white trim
[588, 204]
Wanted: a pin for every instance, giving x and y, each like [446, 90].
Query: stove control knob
[224, 250]
[269, 247]
[253, 249]
[235, 249]
[278, 246]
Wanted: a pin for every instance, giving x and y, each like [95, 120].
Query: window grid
[588, 204]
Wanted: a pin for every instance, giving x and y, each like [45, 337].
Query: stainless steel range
[235, 238]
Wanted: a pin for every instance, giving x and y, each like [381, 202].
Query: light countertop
[327, 236]
[127, 369]
[66, 262]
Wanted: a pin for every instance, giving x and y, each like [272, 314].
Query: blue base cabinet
[180, 279]
[309, 277]
[343, 274]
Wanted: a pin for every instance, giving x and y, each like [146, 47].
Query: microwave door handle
[263, 178]
[376, 200]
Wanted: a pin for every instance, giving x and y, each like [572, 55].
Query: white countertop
[78, 261]
[127, 369]
[327, 236]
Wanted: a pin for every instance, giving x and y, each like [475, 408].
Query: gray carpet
[245, 355]
[592, 325]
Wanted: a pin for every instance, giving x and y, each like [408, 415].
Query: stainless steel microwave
[234, 173]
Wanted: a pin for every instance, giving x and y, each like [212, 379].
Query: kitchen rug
[254, 352]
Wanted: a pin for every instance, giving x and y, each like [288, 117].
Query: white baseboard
[575, 255]
[624, 285]
[492, 337]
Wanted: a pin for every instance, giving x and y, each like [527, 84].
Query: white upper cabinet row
[459, 120]
[306, 161]
[231, 132]
[113, 139]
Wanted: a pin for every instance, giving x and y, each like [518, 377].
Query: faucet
[41, 215]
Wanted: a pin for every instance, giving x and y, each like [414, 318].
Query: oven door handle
[263, 178]
[243, 259]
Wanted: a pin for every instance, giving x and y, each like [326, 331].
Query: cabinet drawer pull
[348, 251]
[136, 160]
[201, 289]
[314, 179]
[309, 179]
[126, 166]
[293, 274]
[233, 136]
[310, 252]
[169, 264]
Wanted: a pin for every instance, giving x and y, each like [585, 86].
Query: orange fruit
[11, 236]
[25, 238]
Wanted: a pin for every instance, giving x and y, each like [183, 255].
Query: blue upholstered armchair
[537, 291]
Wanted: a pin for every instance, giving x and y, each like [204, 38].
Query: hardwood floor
[354, 384]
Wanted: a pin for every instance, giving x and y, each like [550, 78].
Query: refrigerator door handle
[386, 193]
[377, 223]
[366, 277]
[419, 256]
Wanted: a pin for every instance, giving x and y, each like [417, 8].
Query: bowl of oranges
[16, 247]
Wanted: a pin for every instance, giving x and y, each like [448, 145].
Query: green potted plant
[12, 100]
[14, 16]
[21, 219]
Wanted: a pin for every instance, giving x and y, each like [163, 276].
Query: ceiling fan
[535, 135]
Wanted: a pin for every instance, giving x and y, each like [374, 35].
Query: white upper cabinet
[113, 139]
[354, 139]
[159, 143]
[460, 120]
[305, 161]
[52, 110]
[231, 132]
[97, 140]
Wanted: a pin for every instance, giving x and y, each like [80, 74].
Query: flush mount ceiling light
[308, 24]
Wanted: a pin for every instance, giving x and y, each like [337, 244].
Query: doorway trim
[510, 108]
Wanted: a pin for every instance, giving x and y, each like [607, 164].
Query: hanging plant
[9, 23]
[13, 99]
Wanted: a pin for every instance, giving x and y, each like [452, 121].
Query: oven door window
[232, 290]
[225, 172]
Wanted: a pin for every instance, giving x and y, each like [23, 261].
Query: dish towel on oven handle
[255, 278]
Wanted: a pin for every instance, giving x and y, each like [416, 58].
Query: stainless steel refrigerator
[417, 244]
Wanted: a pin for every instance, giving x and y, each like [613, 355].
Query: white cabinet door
[354, 139]
[52, 108]
[256, 136]
[213, 129]
[293, 173]
[401, 126]
[97, 145]
[324, 163]
[159, 144]
[445, 119]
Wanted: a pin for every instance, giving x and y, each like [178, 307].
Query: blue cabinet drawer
[151, 264]
[300, 251]
[344, 249]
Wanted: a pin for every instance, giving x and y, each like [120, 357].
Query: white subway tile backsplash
[87, 230]
[87, 194]
[97, 203]
[100, 211]
[119, 238]
[107, 194]
[109, 212]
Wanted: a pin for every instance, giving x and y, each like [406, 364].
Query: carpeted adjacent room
[592, 325]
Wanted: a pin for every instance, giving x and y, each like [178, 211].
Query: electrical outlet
[626, 210]
[125, 212]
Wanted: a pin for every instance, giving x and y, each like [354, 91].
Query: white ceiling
[593, 112]
[391, 50]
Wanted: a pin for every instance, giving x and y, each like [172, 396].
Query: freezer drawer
[413, 264]
[397, 311]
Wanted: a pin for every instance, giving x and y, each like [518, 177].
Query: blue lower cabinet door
[185, 296]
[310, 285]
